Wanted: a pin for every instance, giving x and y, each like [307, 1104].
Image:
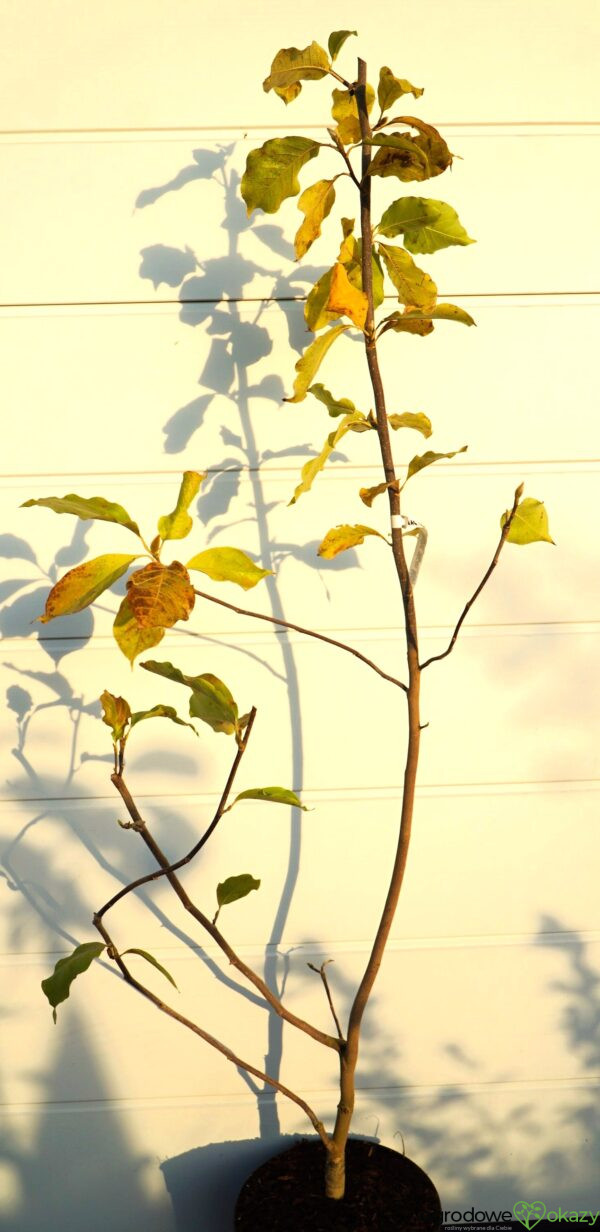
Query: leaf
[233, 888]
[311, 468]
[57, 986]
[419, 462]
[315, 312]
[116, 713]
[273, 795]
[431, 142]
[130, 639]
[335, 406]
[79, 587]
[390, 88]
[345, 113]
[420, 422]
[340, 538]
[151, 959]
[271, 172]
[530, 523]
[93, 508]
[315, 203]
[308, 365]
[336, 41]
[351, 258]
[178, 524]
[160, 712]
[426, 225]
[399, 156]
[291, 66]
[160, 595]
[228, 565]
[211, 700]
[367, 495]
[442, 312]
[414, 286]
[344, 299]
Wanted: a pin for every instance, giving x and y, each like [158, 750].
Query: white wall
[125, 130]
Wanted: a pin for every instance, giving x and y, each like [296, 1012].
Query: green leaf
[178, 524]
[426, 225]
[151, 959]
[335, 406]
[530, 523]
[336, 41]
[419, 462]
[273, 795]
[211, 700]
[116, 714]
[271, 172]
[58, 985]
[79, 587]
[340, 538]
[316, 203]
[345, 113]
[130, 639]
[308, 365]
[311, 468]
[390, 88]
[160, 595]
[408, 419]
[414, 286]
[93, 508]
[233, 888]
[228, 565]
[293, 65]
[160, 712]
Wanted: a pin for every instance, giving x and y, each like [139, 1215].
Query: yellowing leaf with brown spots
[79, 587]
[414, 286]
[160, 595]
[130, 639]
[291, 66]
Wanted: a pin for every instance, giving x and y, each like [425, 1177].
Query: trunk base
[385, 1192]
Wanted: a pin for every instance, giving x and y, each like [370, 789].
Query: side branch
[221, 807]
[139, 824]
[286, 624]
[321, 971]
[484, 580]
[209, 1039]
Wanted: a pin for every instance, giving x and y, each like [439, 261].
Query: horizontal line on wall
[496, 466]
[326, 795]
[284, 299]
[237, 132]
[384, 1095]
[354, 946]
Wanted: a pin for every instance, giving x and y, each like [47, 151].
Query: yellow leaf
[308, 365]
[345, 299]
[530, 523]
[315, 203]
[129, 637]
[160, 595]
[314, 465]
[116, 713]
[79, 587]
[340, 538]
[293, 65]
[390, 88]
[367, 495]
[345, 114]
[178, 524]
[228, 565]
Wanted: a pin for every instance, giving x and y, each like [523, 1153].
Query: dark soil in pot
[385, 1192]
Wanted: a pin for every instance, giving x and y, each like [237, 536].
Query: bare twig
[139, 824]
[485, 578]
[221, 808]
[341, 150]
[209, 1039]
[321, 971]
[286, 624]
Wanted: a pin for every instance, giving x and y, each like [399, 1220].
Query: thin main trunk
[349, 1054]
